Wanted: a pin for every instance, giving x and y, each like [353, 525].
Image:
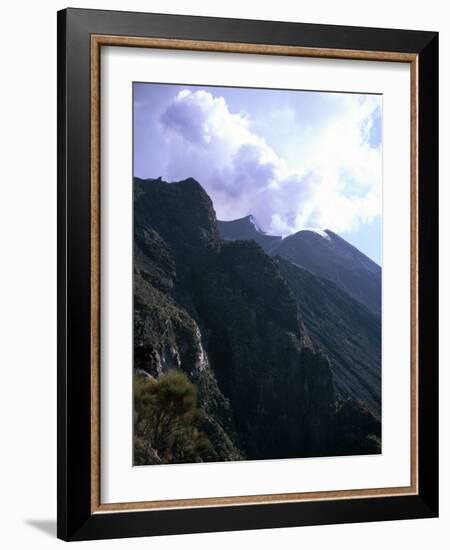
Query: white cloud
[338, 186]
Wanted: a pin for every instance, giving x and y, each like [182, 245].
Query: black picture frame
[76, 521]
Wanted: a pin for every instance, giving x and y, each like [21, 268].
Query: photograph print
[257, 235]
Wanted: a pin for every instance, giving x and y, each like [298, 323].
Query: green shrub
[167, 422]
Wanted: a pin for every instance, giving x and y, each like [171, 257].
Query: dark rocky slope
[347, 332]
[224, 313]
[335, 259]
[325, 254]
[246, 229]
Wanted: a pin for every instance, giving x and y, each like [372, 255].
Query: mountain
[247, 229]
[347, 332]
[329, 279]
[235, 321]
[321, 252]
[330, 256]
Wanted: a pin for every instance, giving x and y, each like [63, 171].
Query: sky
[293, 159]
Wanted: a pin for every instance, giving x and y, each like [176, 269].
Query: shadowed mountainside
[228, 315]
[246, 229]
[347, 332]
[323, 253]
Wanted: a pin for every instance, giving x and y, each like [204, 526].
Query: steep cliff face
[225, 314]
[348, 333]
[262, 357]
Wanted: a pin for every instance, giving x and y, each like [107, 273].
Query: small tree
[167, 421]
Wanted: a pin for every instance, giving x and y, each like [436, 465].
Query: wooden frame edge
[95, 272]
[261, 49]
[414, 272]
[238, 47]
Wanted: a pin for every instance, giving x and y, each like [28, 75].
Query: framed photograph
[247, 252]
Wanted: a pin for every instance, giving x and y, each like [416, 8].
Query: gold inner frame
[97, 41]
